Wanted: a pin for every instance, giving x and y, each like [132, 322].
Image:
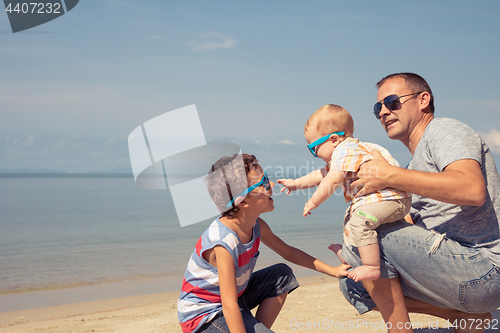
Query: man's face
[399, 124]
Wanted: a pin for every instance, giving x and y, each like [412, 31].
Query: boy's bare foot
[365, 273]
[337, 249]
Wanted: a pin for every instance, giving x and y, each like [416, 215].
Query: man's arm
[228, 290]
[297, 256]
[460, 183]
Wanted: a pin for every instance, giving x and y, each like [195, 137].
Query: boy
[219, 288]
[329, 135]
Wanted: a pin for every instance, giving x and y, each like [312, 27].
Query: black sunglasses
[392, 103]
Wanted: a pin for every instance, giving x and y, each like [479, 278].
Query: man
[447, 263]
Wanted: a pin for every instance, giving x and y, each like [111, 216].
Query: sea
[67, 238]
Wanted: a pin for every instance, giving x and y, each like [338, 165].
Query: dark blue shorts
[268, 282]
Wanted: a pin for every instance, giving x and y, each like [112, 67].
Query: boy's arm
[297, 256]
[329, 184]
[228, 290]
[312, 179]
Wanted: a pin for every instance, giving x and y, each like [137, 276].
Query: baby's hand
[308, 207]
[288, 184]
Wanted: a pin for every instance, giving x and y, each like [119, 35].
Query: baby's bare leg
[370, 257]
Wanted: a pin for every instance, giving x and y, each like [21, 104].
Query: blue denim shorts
[431, 268]
[268, 282]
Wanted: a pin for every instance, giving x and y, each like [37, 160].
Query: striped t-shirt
[348, 156]
[200, 299]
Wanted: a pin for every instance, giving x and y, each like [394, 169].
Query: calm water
[60, 231]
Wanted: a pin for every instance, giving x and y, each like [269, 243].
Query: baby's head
[329, 120]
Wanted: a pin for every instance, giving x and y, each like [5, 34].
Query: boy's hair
[331, 118]
[415, 82]
[227, 178]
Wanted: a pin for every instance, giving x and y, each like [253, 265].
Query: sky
[72, 90]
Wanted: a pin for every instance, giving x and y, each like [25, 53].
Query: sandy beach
[316, 306]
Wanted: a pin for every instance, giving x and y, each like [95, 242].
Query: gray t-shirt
[445, 141]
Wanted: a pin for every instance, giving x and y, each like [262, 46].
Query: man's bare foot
[337, 249]
[365, 273]
[459, 321]
[470, 322]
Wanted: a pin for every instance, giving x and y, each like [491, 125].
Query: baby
[328, 133]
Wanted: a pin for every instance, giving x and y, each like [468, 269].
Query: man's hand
[308, 207]
[373, 175]
[288, 184]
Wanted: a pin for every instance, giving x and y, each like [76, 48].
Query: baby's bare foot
[365, 273]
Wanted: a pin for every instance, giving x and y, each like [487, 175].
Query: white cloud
[33, 51]
[285, 142]
[492, 140]
[268, 143]
[212, 41]
[29, 141]
[68, 153]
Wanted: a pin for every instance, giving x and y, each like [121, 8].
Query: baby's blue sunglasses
[312, 146]
[264, 181]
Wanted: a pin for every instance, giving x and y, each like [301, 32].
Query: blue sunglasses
[264, 181]
[312, 146]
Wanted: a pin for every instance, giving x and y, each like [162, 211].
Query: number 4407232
[34, 8]
[473, 324]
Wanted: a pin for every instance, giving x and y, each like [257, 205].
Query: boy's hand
[288, 184]
[342, 270]
[308, 207]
